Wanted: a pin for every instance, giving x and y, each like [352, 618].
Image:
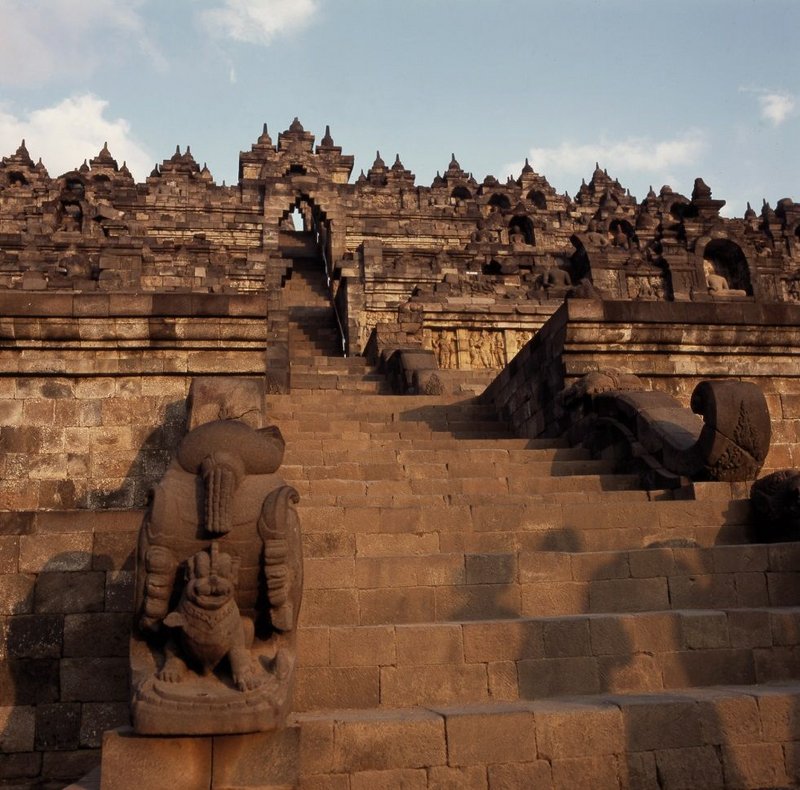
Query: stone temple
[347, 484]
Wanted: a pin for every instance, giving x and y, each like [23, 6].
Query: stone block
[329, 607]
[548, 599]
[477, 602]
[637, 672]
[315, 748]
[785, 627]
[612, 635]
[256, 759]
[16, 593]
[58, 726]
[34, 636]
[493, 734]
[707, 668]
[491, 568]
[429, 644]
[776, 664]
[754, 765]
[51, 553]
[17, 728]
[313, 647]
[512, 776]
[602, 565]
[544, 566]
[637, 770]
[100, 635]
[19, 767]
[62, 767]
[637, 595]
[133, 762]
[387, 741]
[328, 573]
[28, 681]
[397, 779]
[567, 637]
[471, 777]
[119, 591]
[594, 772]
[432, 685]
[407, 605]
[704, 630]
[97, 717]
[651, 563]
[573, 729]
[362, 646]
[70, 592]
[660, 722]
[325, 782]
[749, 628]
[94, 679]
[703, 591]
[318, 688]
[689, 767]
[500, 640]
[552, 677]
[114, 551]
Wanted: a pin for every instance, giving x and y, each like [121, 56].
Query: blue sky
[656, 92]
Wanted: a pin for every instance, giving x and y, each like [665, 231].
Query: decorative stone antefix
[219, 583]
[729, 444]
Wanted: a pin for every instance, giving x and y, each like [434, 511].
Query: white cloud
[634, 153]
[43, 40]
[776, 107]
[258, 21]
[69, 132]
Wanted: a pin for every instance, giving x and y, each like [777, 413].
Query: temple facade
[517, 435]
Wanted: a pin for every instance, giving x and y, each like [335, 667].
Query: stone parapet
[670, 347]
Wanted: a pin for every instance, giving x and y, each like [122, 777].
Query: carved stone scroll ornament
[219, 583]
[663, 436]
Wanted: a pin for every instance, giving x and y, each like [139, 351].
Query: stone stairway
[315, 350]
[482, 611]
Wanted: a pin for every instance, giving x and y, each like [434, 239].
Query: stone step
[417, 462]
[387, 521]
[388, 409]
[521, 475]
[326, 365]
[360, 582]
[443, 442]
[312, 341]
[432, 463]
[397, 666]
[361, 486]
[310, 403]
[393, 432]
[737, 736]
[343, 382]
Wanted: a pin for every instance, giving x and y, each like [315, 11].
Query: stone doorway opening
[309, 291]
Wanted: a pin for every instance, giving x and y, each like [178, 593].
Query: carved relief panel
[474, 349]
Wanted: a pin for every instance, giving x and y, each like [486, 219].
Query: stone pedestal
[263, 760]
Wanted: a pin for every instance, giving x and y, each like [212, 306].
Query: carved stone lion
[219, 583]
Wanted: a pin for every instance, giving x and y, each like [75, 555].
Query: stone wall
[671, 347]
[392, 242]
[93, 388]
[66, 596]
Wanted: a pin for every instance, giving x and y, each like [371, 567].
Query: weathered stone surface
[237, 549]
[449, 562]
[131, 761]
